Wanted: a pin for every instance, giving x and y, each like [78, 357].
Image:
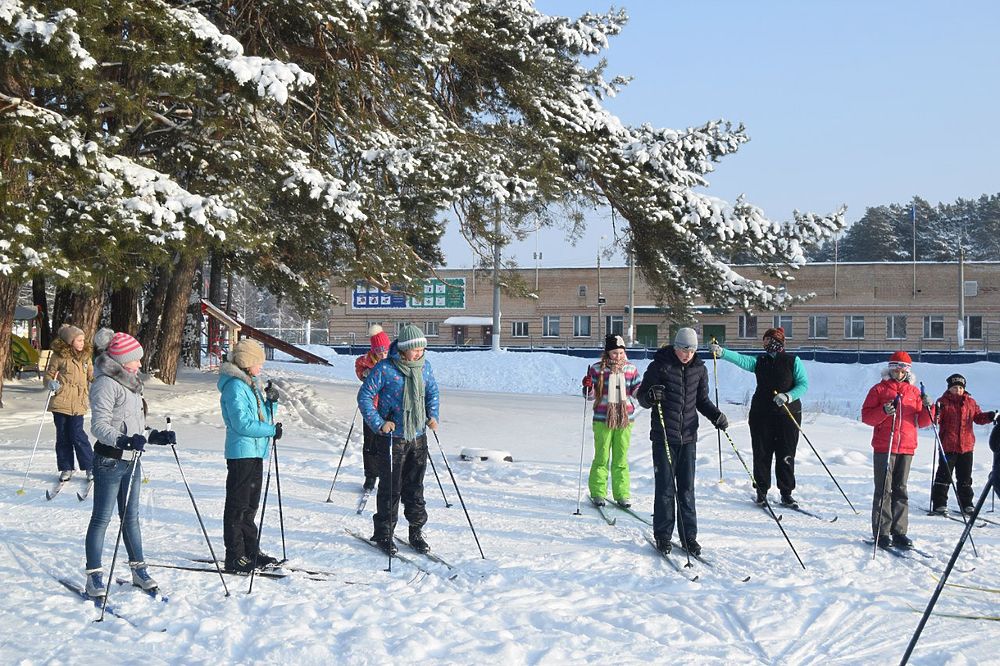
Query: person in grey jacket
[118, 422]
[675, 386]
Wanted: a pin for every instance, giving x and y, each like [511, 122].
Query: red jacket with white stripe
[910, 415]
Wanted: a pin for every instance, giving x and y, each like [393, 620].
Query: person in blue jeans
[118, 422]
[68, 376]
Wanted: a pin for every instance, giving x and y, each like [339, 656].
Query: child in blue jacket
[407, 401]
[248, 414]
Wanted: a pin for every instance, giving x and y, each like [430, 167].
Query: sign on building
[437, 294]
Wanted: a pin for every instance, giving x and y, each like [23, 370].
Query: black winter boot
[902, 541]
[761, 497]
[385, 543]
[789, 501]
[693, 547]
[663, 545]
[417, 541]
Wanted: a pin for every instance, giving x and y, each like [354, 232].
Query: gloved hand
[54, 385]
[889, 408]
[134, 443]
[657, 393]
[588, 387]
[162, 437]
[721, 423]
[271, 393]
[277, 431]
[716, 349]
[992, 415]
[927, 400]
[781, 399]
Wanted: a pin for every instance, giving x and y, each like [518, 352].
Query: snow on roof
[468, 321]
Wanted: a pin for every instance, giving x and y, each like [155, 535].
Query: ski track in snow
[555, 587]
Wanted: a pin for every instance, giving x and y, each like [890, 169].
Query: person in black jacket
[675, 386]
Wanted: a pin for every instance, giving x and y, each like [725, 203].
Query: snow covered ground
[554, 587]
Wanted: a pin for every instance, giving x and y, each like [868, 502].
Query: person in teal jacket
[248, 413]
[781, 381]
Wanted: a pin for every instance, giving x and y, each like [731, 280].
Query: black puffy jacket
[687, 394]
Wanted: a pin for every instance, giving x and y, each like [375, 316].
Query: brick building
[874, 306]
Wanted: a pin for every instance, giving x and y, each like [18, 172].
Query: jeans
[70, 436]
[112, 480]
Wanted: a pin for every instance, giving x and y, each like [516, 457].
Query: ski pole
[673, 482]
[121, 526]
[388, 509]
[459, 493]
[767, 504]
[277, 480]
[583, 440]
[447, 504]
[20, 491]
[944, 461]
[947, 572]
[818, 457]
[337, 473]
[886, 476]
[934, 455]
[715, 372]
[263, 508]
[173, 447]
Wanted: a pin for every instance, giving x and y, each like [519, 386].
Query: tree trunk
[87, 306]
[8, 301]
[149, 330]
[174, 314]
[41, 301]
[124, 310]
[62, 307]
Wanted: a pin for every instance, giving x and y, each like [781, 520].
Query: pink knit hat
[124, 348]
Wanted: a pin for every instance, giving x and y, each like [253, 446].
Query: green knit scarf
[414, 410]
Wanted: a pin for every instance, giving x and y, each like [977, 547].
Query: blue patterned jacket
[386, 382]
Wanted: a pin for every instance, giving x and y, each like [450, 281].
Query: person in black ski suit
[781, 381]
[995, 448]
[675, 386]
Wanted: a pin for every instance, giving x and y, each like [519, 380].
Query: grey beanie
[67, 333]
[686, 338]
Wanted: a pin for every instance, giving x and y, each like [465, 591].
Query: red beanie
[379, 339]
[900, 359]
[777, 333]
[124, 348]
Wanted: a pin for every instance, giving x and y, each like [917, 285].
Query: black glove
[134, 443]
[277, 431]
[722, 423]
[657, 393]
[162, 437]
[271, 393]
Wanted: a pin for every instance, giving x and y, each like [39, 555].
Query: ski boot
[417, 541]
[789, 501]
[141, 577]
[95, 583]
[384, 543]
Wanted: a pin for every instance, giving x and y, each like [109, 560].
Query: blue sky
[854, 102]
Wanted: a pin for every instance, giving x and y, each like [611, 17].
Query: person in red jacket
[895, 408]
[957, 411]
[362, 366]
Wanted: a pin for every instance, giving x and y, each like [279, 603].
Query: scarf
[414, 409]
[772, 347]
[617, 393]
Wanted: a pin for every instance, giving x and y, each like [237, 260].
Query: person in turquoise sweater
[611, 383]
[248, 412]
[781, 382]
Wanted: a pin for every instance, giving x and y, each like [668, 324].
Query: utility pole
[631, 298]
[961, 299]
[600, 302]
[495, 346]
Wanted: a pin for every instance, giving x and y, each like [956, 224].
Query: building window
[399, 327]
[748, 326]
[971, 287]
[934, 327]
[973, 327]
[583, 291]
[431, 329]
[581, 326]
[895, 327]
[818, 327]
[614, 325]
[785, 322]
[550, 326]
[519, 329]
[854, 327]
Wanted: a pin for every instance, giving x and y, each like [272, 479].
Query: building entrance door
[460, 335]
[646, 335]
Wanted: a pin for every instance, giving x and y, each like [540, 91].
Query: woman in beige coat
[68, 376]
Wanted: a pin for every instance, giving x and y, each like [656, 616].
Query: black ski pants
[368, 453]
[400, 478]
[242, 497]
[674, 497]
[775, 437]
[961, 463]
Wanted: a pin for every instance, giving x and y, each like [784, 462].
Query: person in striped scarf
[610, 383]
